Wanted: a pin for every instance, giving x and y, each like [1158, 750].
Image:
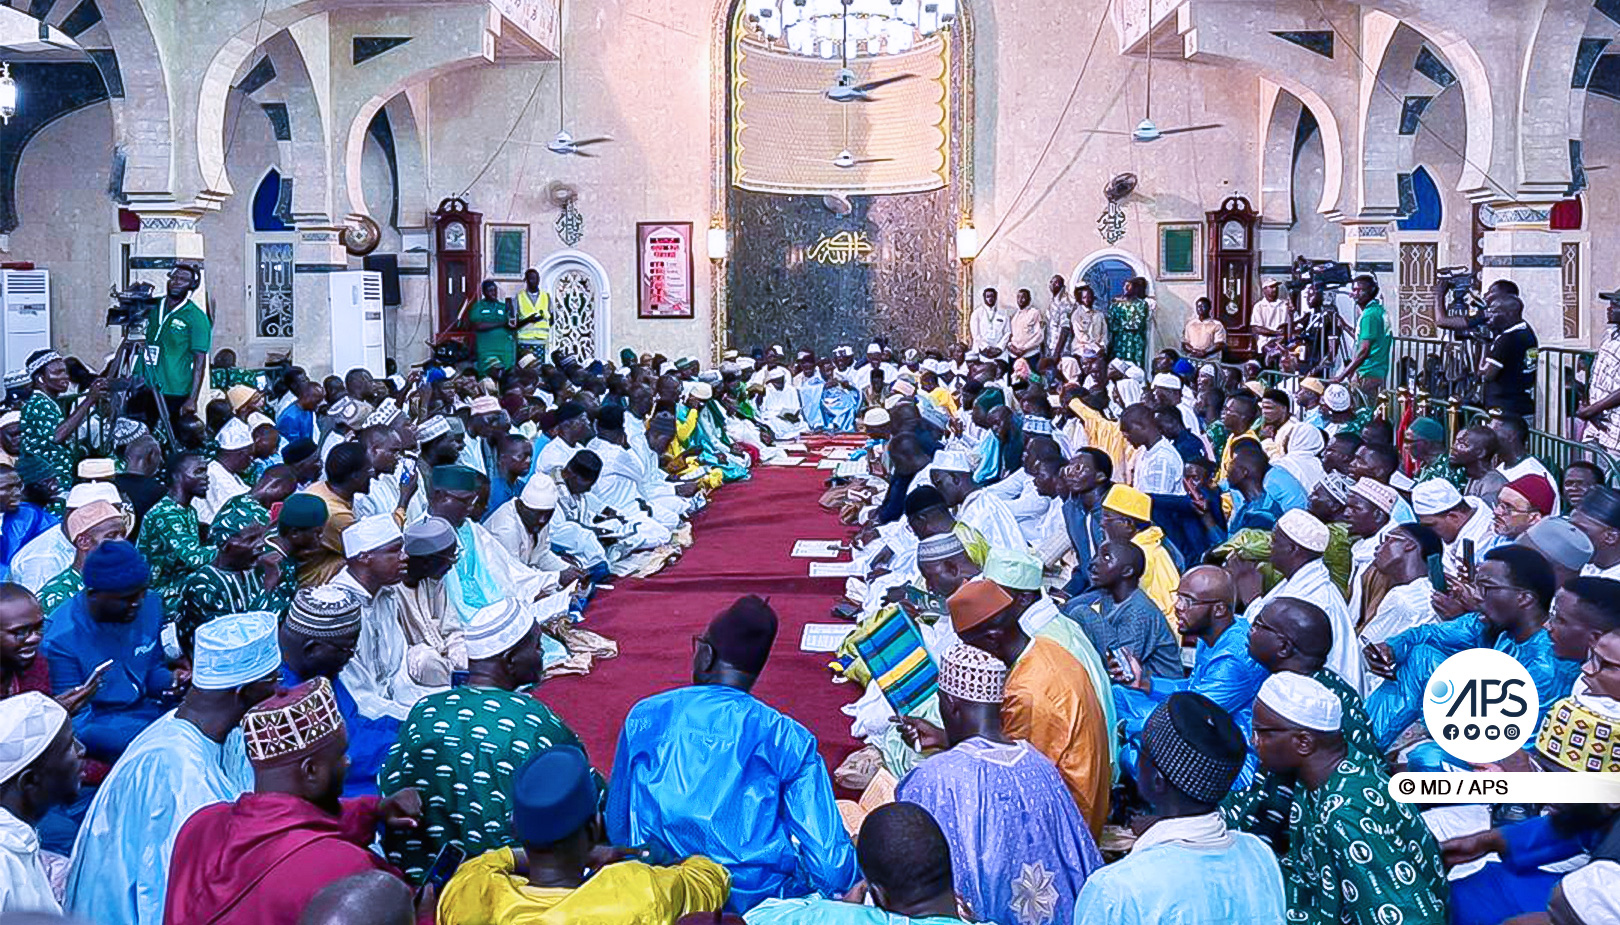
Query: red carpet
[741, 546]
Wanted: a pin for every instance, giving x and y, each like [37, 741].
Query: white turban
[539, 493]
[1302, 701]
[29, 723]
[1303, 528]
[497, 628]
[1435, 496]
[369, 533]
[235, 435]
[86, 492]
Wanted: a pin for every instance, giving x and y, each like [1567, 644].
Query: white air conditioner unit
[25, 314]
[357, 321]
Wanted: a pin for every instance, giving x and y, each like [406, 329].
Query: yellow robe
[1105, 435]
[942, 397]
[486, 892]
[1159, 577]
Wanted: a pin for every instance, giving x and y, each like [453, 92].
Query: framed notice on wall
[1180, 251]
[508, 250]
[664, 265]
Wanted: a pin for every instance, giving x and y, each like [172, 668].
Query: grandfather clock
[457, 245]
[1230, 231]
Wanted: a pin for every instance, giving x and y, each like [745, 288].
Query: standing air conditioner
[357, 321]
[25, 321]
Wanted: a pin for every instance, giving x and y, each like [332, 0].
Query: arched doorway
[842, 216]
[1418, 257]
[580, 297]
[1106, 271]
[270, 262]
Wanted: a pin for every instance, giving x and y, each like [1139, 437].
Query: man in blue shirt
[1516, 587]
[710, 770]
[297, 420]
[1223, 669]
[115, 620]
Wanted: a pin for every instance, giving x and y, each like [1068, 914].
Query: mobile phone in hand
[444, 867]
[1437, 572]
[1118, 654]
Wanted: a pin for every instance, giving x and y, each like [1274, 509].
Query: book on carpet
[823, 637]
[793, 448]
[832, 569]
[827, 464]
[817, 549]
[899, 662]
[842, 452]
[851, 469]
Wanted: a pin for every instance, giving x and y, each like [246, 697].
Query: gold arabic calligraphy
[841, 248]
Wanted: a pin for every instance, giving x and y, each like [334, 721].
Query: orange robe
[1051, 703]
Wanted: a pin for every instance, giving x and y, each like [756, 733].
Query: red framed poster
[664, 268]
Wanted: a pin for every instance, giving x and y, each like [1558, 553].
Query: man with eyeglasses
[1355, 853]
[1223, 669]
[318, 638]
[1521, 504]
[1294, 635]
[1516, 587]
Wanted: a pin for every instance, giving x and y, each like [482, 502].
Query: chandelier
[850, 28]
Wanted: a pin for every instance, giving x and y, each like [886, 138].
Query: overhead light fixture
[849, 28]
[8, 94]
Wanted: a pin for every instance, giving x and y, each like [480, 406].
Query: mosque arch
[931, 305]
[1414, 67]
[1107, 269]
[581, 303]
[1544, 125]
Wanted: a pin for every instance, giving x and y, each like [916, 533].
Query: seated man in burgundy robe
[261, 859]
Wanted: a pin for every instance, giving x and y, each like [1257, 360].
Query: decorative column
[168, 235]
[1367, 249]
[1521, 246]
[318, 253]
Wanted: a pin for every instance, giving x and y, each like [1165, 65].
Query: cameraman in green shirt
[1373, 339]
[178, 339]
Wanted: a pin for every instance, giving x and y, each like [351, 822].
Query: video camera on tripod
[1322, 274]
[1462, 301]
[131, 309]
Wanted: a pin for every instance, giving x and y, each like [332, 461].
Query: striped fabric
[899, 662]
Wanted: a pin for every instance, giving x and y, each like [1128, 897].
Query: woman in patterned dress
[1128, 319]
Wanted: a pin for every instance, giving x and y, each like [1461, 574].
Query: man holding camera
[1373, 338]
[1509, 370]
[179, 337]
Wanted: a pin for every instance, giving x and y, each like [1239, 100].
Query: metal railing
[1447, 368]
[1441, 377]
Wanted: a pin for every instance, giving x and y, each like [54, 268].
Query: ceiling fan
[1147, 130]
[846, 159]
[564, 143]
[844, 88]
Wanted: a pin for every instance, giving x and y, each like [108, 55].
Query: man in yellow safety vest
[534, 316]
